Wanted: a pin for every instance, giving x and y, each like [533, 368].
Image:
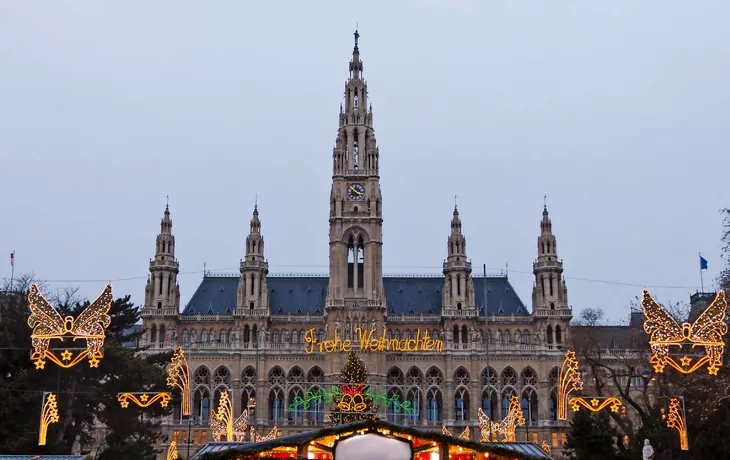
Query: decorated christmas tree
[353, 402]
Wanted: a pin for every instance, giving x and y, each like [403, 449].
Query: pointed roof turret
[356, 63]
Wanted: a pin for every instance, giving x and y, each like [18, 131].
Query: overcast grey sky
[617, 110]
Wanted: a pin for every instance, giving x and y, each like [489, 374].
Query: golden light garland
[178, 376]
[172, 451]
[506, 428]
[675, 419]
[596, 404]
[466, 434]
[545, 446]
[144, 399]
[706, 332]
[47, 325]
[49, 414]
[222, 422]
[273, 434]
[569, 380]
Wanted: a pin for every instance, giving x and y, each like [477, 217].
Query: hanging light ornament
[143, 399]
[706, 332]
[48, 325]
[178, 376]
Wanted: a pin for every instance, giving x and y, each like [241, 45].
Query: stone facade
[250, 332]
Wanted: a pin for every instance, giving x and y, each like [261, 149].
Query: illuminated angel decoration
[569, 380]
[47, 325]
[222, 422]
[466, 434]
[506, 428]
[665, 332]
[178, 376]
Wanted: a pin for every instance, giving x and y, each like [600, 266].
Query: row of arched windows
[422, 391]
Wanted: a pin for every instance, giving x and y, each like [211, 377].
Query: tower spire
[550, 292]
[252, 291]
[458, 291]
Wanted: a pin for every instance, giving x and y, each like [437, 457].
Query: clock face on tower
[356, 192]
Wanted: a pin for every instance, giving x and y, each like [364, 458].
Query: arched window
[186, 338]
[153, 333]
[276, 405]
[296, 411]
[553, 406]
[414, 397]
[558, 335]
[549, 334]
[392, 411]
[351, 263]
[456, 334]
[360, 263]
[433, 405]
[204, 336]
[461, 404]
[489, 403]
[224, 336]
[464, 335]
[528, 402]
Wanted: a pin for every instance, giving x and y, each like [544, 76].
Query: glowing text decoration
[47, 325]
[369, 340]
[706, 332]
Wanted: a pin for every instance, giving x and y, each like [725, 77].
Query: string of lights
[435, 269]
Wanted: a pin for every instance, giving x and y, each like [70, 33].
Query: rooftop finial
[456, 204]
[357, 35]
[256, 204]
[544, 203]
[167, 204]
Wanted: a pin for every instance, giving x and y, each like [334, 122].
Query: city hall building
[446, 344]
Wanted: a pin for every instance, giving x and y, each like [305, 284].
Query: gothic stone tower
[356, 219]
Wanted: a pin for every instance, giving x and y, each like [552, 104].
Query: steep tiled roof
[299, 295]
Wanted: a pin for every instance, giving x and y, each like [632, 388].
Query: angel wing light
[47, 325]
[222, 422]
[506, 428]
[706, 332]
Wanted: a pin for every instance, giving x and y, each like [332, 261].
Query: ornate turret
[549, 291]
[458, 292]
[252, 297]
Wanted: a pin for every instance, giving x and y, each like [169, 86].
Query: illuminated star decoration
[222, 422]
[675, 419]
[545, 446]
[464, 434]
[178, 376]
[49, 414]
[144, 399]
[47, 324]
[706, 332]
[569, 380]
[172, 451]
[596, 404]
[506, 427]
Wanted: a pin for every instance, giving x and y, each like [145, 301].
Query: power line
[410, 267]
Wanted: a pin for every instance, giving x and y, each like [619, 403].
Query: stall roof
[231, 450]
[42, 457]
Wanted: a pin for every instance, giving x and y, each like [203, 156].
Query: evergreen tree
[85, 395]
[353, 403]
[590, 437]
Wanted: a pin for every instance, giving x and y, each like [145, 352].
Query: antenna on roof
[204, 269]
[506, 270]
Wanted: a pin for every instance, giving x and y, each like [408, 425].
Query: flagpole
[12, 269]
[702, 283]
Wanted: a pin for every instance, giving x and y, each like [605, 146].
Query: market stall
[371, 440]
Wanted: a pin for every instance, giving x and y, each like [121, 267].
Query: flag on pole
[12, 259]
[703, 263]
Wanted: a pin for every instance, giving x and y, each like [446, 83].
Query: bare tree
[590, 317]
